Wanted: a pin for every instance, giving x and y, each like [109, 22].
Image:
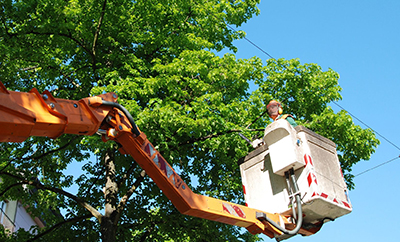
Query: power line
[373, 168]
[383, 137]
[248, 40]
[251, 42]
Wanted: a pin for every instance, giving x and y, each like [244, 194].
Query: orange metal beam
[25, 114]
[33, 114]
[183, 198]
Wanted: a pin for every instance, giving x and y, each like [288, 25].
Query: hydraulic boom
[25, 114]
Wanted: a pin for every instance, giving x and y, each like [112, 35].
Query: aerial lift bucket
[313, 159]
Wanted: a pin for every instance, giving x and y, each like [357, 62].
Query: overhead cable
[383, 137]
[373, 168]
[251, 42]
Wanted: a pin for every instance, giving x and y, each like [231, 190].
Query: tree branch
[39, 185]
[127, 174]
[49, 152]
[56, 226]
[256, 119]
[96, 36]
[147, 233]
[30, 68]
[193, 140]
[10, 186]
[97, 177]
[8, 163]
[40, 156]
[69, 36]
[128, 194]
[66, 76]
[52, 151]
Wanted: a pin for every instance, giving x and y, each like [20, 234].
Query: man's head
[274, 109]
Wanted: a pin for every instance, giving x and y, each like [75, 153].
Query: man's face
[273, 110]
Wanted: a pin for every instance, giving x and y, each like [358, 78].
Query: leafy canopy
[159, 57]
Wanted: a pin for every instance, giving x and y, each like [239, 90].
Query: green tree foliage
[159, 57]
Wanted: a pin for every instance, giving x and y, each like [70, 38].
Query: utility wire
[251, 42]
[383, 137]
[373, 168]
[248, 40]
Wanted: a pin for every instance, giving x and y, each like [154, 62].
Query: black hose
[299, 211]
[298, 224]
[134, 129]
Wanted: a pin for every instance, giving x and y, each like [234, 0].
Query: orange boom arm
[33, 114]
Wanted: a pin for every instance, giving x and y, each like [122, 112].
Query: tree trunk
[108, 225]
[107, 230]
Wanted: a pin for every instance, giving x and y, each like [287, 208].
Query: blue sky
[361, 41]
